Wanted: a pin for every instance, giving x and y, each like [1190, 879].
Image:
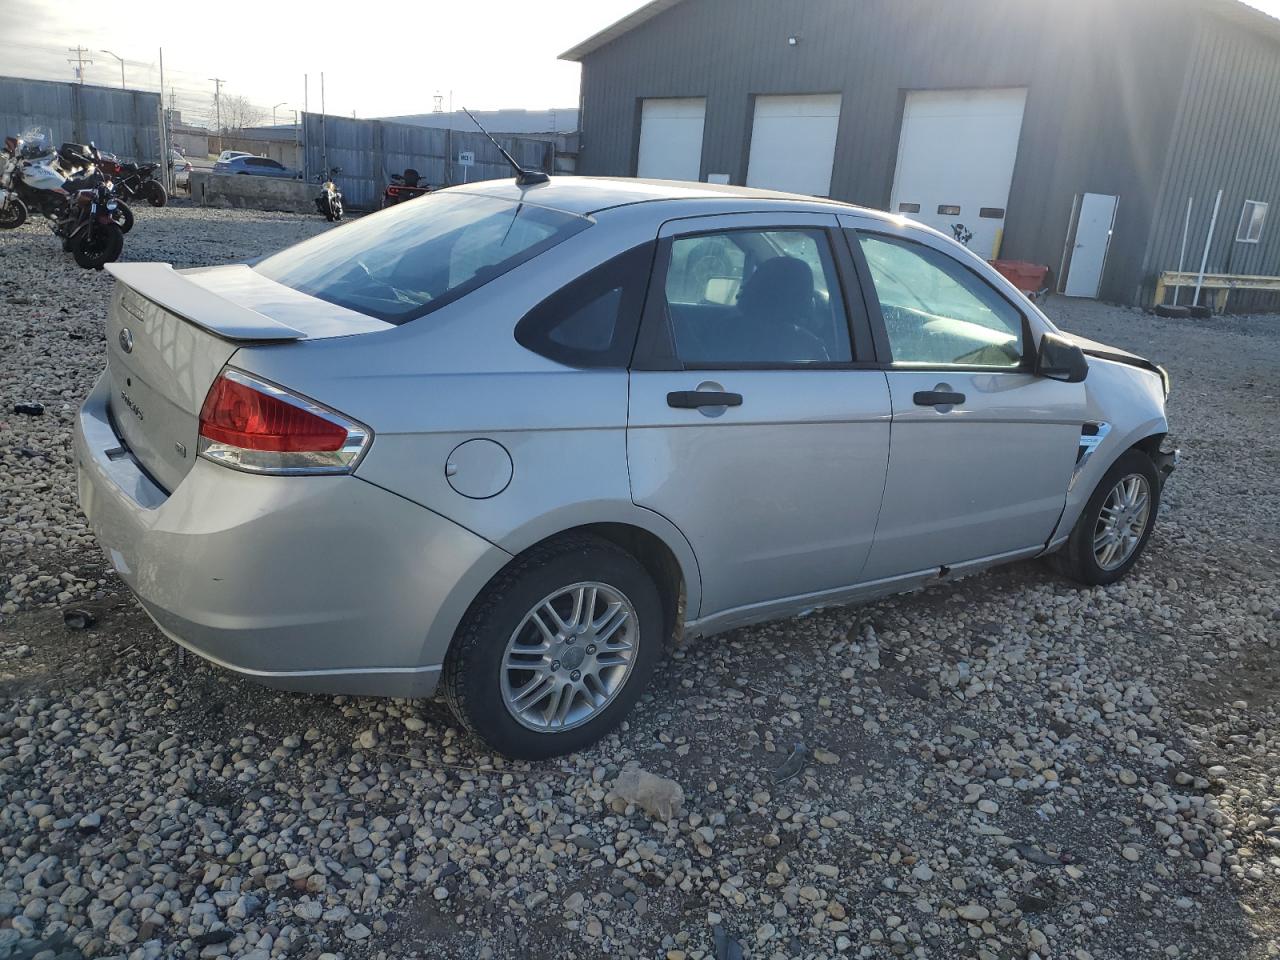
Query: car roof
[589, 195]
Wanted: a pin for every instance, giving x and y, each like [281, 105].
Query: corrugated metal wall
[369, 151]
[1103, 79]
[123, 122]
[1226, 137]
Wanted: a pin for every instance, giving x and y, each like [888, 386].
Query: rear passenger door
[758, 423]
[983, 449]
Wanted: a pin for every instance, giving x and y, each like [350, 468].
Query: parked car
[258, 166]
[226, 155]
[503, 438]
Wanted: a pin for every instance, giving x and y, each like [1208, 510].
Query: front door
[752, 426]
[982, 449]
[1092, 241]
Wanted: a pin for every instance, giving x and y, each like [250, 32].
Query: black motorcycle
[134, 180]
[329, 203]
[89, 231]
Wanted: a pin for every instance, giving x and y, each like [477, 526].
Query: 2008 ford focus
[501, 439]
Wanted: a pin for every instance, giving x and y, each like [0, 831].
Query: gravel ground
[1008, 767]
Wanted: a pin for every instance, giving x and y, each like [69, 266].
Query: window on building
[1252, 217]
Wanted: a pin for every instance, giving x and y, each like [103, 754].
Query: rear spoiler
[159, 283]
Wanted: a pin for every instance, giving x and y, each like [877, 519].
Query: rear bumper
[322, 584]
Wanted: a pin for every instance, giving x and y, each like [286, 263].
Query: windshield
[405, 262]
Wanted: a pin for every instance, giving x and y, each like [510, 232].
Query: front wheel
[155, 193]
[123, 216]
[556, 649]
[13, 214]
[98, 246]
[1115, 525]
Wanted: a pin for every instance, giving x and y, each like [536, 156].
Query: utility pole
[166, 136]
[79, 60]
[273, 111]
[121, 59]
[217, 106]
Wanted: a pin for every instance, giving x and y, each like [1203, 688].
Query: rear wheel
[1115, 525]
[13, 214]
[556, 650]
[155, 193]
[98, 247]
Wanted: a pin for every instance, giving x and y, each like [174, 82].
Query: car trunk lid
[169, 334]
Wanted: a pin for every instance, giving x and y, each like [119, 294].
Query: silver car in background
[500, 440]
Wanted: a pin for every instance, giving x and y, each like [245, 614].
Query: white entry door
[1092, 240]
[793, 143]
[955, 162]
[671, 138]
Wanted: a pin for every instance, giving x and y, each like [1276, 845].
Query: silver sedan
[508, 439]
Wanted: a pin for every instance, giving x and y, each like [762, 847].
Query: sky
[376, 60]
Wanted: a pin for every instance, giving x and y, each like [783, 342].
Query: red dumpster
[1027, 277]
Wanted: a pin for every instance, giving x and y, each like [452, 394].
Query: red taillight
[254, 425]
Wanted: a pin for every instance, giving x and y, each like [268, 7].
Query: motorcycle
[13, 212]
[329, 202]
[135, 180]
[404, 187]
[90, 233]
[43, 178]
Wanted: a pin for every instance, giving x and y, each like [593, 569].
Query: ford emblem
[126, 340]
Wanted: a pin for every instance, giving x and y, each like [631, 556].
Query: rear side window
[592, 321]
[405, 262]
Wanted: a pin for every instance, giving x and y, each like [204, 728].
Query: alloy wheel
[1121, 521]
[570, 657]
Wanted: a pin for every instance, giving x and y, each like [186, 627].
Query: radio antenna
[524, 178]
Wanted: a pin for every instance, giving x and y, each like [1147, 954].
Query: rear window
[405, 262]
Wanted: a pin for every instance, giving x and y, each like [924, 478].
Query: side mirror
[1059, 359]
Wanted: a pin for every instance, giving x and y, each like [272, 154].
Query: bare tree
[238, 113]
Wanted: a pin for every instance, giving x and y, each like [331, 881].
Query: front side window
[763, 297]
[936, 311]
[405, 262]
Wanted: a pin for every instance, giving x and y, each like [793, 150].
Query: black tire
[155, 193]
[13, 214]
[1077, 559]
[1180, 313]
[123, 216]
[102, 247]
[472, 673]
[1200, 312]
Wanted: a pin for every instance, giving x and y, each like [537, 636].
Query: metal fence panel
[369, 151]
[123, 122]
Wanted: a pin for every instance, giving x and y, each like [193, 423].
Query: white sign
[467, 158]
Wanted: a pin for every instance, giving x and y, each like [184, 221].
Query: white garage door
[671, 138]
[793, 143]
[955, 162]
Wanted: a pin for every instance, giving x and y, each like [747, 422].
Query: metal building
[1067, 134]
